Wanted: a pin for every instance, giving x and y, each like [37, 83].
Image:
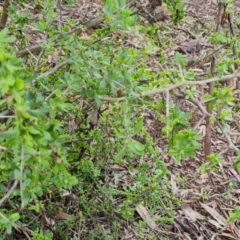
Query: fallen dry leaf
[188, 211]
[219, 218]
[229, 236]
[86, 36]
[174, 184]
[62, 215]
[143, 212]
[215, 223]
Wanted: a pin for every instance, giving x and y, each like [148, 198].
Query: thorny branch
[227, 77]
[168, 89]
[77, 29]
[194, 101]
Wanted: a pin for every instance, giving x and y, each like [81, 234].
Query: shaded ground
[219, 190]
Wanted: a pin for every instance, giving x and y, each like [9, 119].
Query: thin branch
[53, 70]
[227, 136]
[4, 17]
[77, 29]
[21, 177]
[7, 195]
[174, 86]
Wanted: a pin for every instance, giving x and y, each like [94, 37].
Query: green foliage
[222, 102]
[176, 9]
[179, 59]
[117, 15]
[8, 221]
[39, 235]
[237, 163]
[81, 128]
[210, 165]
[38, 149]
[32, 151]
[184, 144]
[234, 215]
[183, 141]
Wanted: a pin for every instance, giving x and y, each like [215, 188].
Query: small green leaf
[9, 229]
[33, 131]
[8, 40]
[139, 126]
[121, 154]
[234, 216]
[26, 182]
[37, 112]
[17, 174]
[237, 165]
[10, 133]
[136, 147]
[4, 38]
[98, 100]
[14, 217]
[3, 33]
